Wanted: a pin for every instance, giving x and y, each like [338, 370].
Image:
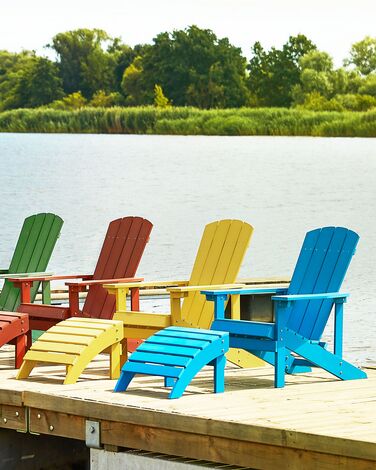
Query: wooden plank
[13, 417]
[49, 312]
[198, 446]
[152, 417]
[221, 450]
[146, 319]
[313, 413]
[50, 346]
[56, 424]
[91, 333]
[11, 397]
[62, 338]
[50, 358]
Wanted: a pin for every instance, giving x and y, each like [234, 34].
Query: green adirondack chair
[33, 251]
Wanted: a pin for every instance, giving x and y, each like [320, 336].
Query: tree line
[190, 67]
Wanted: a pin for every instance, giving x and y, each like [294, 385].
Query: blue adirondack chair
[292, 343]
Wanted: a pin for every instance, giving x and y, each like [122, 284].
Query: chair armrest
[46, 277]
[81, 286]
[212, 293]
[219, 288]
[336, 296]
[103, 281]
[146, 284]
[121, 290]
[25, 284]
[9, 275]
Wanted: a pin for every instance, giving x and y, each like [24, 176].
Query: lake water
[283, 186]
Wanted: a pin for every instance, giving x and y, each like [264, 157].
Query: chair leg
[279, 369]
[115, 357]
[20, 350]
[124, 353]
[29, 340]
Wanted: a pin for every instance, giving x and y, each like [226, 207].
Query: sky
[333, 25]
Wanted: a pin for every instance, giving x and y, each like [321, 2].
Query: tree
[11, 67]
[368, 86]
[122, 57]
[322, 88]
[273, 74]
[160, 100]
[194, 68]
[363, 55]
[27, 81]
[316, 77]
[84, 61]
[133, 85]
[39, 84]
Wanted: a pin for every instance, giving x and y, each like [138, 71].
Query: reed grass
[192, 121]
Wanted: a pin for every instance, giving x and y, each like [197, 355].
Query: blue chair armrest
[339, 296]
[241, 291]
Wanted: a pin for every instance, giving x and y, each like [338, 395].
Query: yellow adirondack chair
[221, 252]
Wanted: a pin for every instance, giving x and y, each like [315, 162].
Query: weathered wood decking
[314, 422]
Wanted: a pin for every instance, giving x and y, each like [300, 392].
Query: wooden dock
[314, 422]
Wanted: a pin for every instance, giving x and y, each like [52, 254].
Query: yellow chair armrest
[145, 284]
[177, 290]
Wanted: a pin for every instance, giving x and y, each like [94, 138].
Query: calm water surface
[282, 186]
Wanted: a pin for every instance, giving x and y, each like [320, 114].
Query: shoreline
[191, 122]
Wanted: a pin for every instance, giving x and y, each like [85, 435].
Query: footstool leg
[219, 374]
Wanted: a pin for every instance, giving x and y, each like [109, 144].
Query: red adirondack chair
[119, 258]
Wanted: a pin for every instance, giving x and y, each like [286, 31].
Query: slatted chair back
[321, 267]
[120, 256]
[33, 251]
[219, 257]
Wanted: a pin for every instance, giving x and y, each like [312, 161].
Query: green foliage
[11, 66]
[273, 74]
[368, 86]
[316, 60]
[27, 81]
[323, 89]
[122, 57]
[191, 121]
[363, 55]
[72, 101]
[101, 99]
[85, 64]
[133, 86]
[39, 83]
[356, 102]
[194, 67]
[191, 67]
[160, 101]
[314, 101]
